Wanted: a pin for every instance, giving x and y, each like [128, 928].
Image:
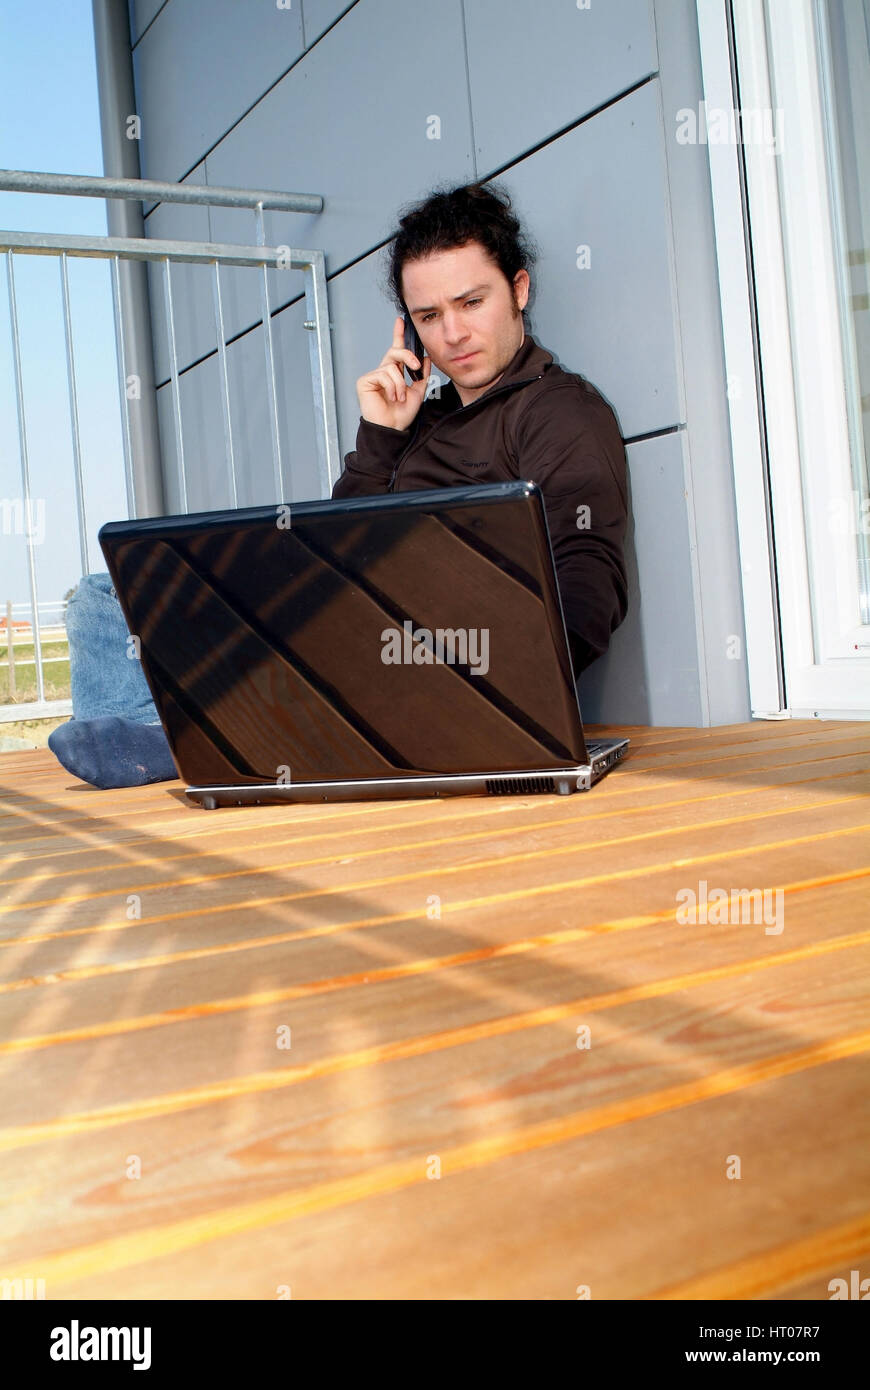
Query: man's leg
[114, 738]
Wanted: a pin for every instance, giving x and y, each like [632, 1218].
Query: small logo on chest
[474, 463]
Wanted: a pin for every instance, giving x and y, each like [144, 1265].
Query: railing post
[9, 652]
[322, 381]
[26, 496]
[74, 416]
[176, 388]
[121, 159]
[281, 492]
[224, 384]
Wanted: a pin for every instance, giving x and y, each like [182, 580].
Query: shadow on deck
[451, 1049]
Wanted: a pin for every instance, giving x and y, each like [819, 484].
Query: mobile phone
[413, 344]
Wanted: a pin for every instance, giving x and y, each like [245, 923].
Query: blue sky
[49, 121]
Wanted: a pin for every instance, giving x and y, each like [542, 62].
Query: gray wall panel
[199, 67]
[614, 321]
[642, 323]
[332, 127]
[202, 440]
[590, 319]
[254, 466]
[191, 285]
[205, 454]
[535, 66]
[701, 364]
[241, 286]
[317, 15]
[296, 407]
[141, 14]
[649, 674]
[362, 331]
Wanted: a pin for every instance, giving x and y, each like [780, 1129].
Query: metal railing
[122, 253]
[17, 632]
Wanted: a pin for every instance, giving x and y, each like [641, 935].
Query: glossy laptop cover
[406, 634]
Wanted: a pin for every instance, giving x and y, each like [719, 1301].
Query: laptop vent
[518, 786]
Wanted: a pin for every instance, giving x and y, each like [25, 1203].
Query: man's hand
[385, 398]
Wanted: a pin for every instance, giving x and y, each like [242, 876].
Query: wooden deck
[433, 962]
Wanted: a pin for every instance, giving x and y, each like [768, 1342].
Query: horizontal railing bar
[150, 249]
[152, 190]
[35, 709]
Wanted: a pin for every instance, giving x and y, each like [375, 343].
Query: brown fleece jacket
[538, 423]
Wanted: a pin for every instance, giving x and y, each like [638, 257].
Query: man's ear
[521, 289]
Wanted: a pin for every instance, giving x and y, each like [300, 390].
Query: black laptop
[404, 645]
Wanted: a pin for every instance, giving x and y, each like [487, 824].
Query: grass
[35, 731]
[55, 677]
[24, 651]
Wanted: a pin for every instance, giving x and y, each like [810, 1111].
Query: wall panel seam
[468, 90]
[280, 78]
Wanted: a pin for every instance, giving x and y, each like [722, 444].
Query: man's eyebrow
[428, 308]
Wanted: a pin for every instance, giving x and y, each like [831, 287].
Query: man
[460, 264]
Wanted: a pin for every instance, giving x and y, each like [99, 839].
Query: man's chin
[471, 374]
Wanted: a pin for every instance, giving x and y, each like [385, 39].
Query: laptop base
[604, 753]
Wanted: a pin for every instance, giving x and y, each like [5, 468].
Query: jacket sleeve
[369, 469]
[568, 442]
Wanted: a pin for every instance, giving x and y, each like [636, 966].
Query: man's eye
[471, 301]
[426, 318]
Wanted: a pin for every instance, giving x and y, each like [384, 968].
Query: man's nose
[454, 328]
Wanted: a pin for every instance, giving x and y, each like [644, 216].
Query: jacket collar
[530, 361]
[527, 365]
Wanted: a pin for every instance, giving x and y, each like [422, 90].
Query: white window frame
[826, 667]
[761, 621]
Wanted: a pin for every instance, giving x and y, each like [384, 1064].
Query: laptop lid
[402, 634]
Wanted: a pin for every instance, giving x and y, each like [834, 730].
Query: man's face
[468, 317]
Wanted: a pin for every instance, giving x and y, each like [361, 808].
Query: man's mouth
[466, 357]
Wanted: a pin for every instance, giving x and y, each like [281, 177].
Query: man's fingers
[387, 378]
[401, 356]
[424, 379]
[384, 383]
[399, 332]
[390, 378]
[400, 380]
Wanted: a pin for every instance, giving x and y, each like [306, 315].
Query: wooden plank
[293, 824]
[415, 1034]
[503, 816]
[630, 1204]
[427, 1003]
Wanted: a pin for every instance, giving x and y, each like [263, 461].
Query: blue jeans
[104, 680]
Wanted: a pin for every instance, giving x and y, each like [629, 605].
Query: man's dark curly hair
[454, 217]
